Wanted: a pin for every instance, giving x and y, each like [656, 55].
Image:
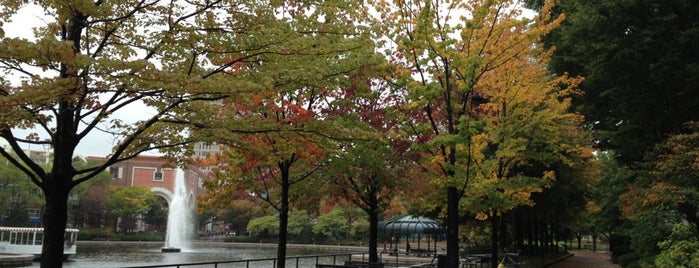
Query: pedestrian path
[586, 259]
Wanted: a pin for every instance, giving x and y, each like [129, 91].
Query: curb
[12, 260]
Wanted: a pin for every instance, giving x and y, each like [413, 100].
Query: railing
[296, 261]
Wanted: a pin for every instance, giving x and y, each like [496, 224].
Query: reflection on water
[124, 255]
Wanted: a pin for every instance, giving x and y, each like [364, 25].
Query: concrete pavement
[586, 259]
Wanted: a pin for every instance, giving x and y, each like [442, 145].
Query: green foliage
[242, 239]
[640, 67]
[130, 204]
[627, 259]
[156, 214]
[681, 249]
[95, 233]
[298, 220]
[17, 217]
[102, 234]
[333, 224]
[173, 58]
[17, 194]
[664, 192]
[81, 191]
[141, 236]
[649, 229]
[612, 183]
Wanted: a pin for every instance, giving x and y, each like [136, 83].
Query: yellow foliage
[592, 207]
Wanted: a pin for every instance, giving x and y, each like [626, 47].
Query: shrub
[142, 236]
[95, 233]
[626, 259]
[242, 239]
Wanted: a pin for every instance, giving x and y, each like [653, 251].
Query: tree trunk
[54, 219]
[517, 236]
[283, 215]
[494, 241]
[373, 229]
[530, 234]
[579, 241]
[594, 241]
[452, 227]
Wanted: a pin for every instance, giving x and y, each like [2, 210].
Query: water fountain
[178, 216]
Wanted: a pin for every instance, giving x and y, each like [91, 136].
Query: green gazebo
[416, 230]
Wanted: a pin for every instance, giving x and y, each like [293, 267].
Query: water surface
[134, 254]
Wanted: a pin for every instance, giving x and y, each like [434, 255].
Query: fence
[296, 261]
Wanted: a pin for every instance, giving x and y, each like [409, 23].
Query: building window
[158, 176]
[33, 213]
[117, 172]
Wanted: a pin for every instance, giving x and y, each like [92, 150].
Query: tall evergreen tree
[640, 60]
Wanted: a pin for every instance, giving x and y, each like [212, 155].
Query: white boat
[28, 241]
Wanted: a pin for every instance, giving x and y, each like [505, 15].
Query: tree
[93, 59]
[367, 172]
[562, 210]
[527, 135]
[285, 135]
[680, 249]
[664, 193]
[16, 195]
[612, 184]
[238, 214]
[640, 67]
[130, 203]
[268, 165]
[156, 215]
[297, 221]
[230, 204]
[443, 50]
[84, 202]
[269, 223]
[338, 223]
[640, 73]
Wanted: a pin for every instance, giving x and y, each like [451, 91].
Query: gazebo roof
[410, 224]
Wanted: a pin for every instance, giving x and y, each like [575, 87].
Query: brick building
[156, 173]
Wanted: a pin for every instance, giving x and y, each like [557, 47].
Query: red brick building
[157, 174]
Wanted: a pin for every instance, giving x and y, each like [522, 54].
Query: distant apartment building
[16, 195]
[38, 154]
[202, 150]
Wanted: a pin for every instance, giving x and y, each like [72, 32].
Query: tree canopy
[450, 55]
[466, 104]
[129, 204]
[640, 66]
[639, 61]
[88, 61]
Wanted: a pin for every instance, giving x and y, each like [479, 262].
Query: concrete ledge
[9, 260]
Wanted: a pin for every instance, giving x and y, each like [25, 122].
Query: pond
[116, 254]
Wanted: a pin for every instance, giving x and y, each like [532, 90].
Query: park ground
[586, 259]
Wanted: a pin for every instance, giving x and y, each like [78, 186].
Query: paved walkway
[587, 259]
